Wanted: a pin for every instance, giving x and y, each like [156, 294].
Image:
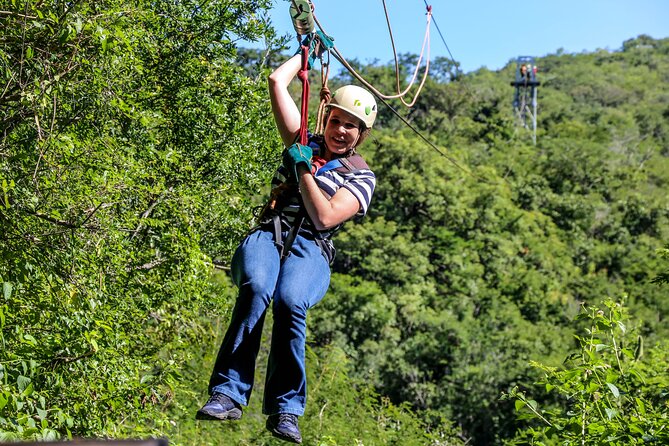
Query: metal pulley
[301, 11]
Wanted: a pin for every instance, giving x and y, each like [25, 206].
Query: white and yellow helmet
[356, 101]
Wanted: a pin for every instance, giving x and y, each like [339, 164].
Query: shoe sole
[283, 436]
[286, 437]
[233, 414]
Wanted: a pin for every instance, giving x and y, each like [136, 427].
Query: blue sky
[482, 33]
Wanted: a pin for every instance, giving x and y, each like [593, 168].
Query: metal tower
[525, 97]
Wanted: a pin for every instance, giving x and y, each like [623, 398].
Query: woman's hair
[364, 133]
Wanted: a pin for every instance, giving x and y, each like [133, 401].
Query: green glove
[318, 43]
[296, 154]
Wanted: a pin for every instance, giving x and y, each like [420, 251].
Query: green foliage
[479, 270]
[608, 392]
[127, 157]
[663, 277]
[135, 139]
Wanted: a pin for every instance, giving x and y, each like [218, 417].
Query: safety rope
[426, 39]
[303, 24]
[400, 94]
[303, 21]
[325, 96]
[303, 76]
[440, 34]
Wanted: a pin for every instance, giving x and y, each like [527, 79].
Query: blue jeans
[293, 286]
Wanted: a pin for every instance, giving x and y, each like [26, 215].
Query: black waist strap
[284, 245]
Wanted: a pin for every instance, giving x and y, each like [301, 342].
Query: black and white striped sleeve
[361, 184]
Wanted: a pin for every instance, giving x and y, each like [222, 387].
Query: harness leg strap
[290, 238]
[278, 240]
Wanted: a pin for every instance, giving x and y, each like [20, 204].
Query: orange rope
[325, 96]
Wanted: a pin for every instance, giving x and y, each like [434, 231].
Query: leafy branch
[596, 409]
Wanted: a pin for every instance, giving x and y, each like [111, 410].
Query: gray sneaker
[219, 407]
[284, 426]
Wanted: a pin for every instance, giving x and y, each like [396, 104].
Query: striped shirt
[360, 183]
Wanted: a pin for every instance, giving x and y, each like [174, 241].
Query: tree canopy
[136, 138]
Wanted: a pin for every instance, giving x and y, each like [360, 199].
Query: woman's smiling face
[341, 131]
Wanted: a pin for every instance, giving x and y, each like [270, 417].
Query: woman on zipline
[286, 259]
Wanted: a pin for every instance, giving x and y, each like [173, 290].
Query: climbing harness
[281, 195]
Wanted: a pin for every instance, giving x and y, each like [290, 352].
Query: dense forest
[499, 292]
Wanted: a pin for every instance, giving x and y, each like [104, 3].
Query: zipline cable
[455, 64]
[430, 143]
[434, 19]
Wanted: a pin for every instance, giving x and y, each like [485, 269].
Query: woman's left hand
[295, 155]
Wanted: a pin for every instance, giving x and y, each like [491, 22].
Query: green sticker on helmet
[368, 110]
